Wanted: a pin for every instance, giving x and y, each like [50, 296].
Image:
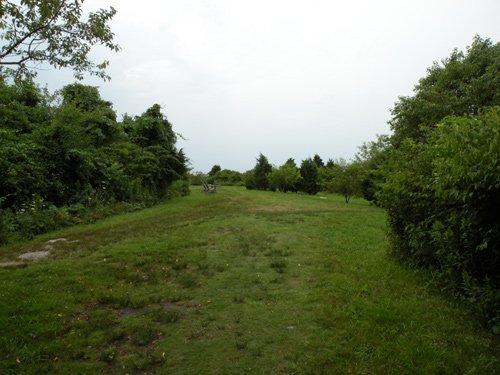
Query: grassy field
[231, 283]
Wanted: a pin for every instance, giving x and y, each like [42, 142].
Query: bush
[73, 162]
[443, 199]
[179, 188]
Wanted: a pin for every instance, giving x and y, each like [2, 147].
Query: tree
[197, 178]
[284, 178]
[460, 86]
[96, 115]
[229, 177]
[23, 106]
[374, 155]
[152, 128]
[261, 170]
[346, 179]
[319, 162]
[58, 161]
[442, 183]
[215, 169]
[54, 32]
[309, 177]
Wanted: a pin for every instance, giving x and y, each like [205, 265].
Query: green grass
[232, 282]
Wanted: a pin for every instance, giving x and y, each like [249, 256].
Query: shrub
[443, 199]
[73, 162]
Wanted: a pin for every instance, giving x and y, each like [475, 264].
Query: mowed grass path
[234, 282]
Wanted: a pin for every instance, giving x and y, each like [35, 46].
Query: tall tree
[215, 169]
[310, 178]
[319, 162]
[33, 32]
[460, 86]
[261, 170]
[291, 162]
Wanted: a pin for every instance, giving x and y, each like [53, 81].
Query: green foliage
[225, 177]
[197, 178]
[309, 183]
[374, 156]
[215, 169]
[346, 178]
[52, 31]
[249, 179]
[442, 175]
[319, 162]
[443, 199]
[152, 129]
[261, 170]
[285, 178]
[461, 86]
[22, 106]
[228, 177]
[76, 153]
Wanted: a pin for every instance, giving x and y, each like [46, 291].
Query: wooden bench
[209, 188]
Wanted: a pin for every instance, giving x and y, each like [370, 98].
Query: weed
[238, 299]
[241, 343]
[278, 265]
[188, 280]
[163, 315]
[139, 362]
[101, 318]
[141, 332]
[108, 355]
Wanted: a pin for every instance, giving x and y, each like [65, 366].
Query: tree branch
[30, 34]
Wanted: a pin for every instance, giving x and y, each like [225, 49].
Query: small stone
[56, 240]
[34, 255]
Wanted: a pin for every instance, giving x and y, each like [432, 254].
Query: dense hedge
[443, 203]
[62, 157]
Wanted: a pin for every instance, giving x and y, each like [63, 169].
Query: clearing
[227, 283]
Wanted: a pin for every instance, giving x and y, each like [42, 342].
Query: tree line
[310, 177]
[65, 158]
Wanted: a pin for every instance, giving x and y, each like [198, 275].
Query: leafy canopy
[285, 178]
[460, 86]
[33, 32]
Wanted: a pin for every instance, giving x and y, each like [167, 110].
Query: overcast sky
[282, 77]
